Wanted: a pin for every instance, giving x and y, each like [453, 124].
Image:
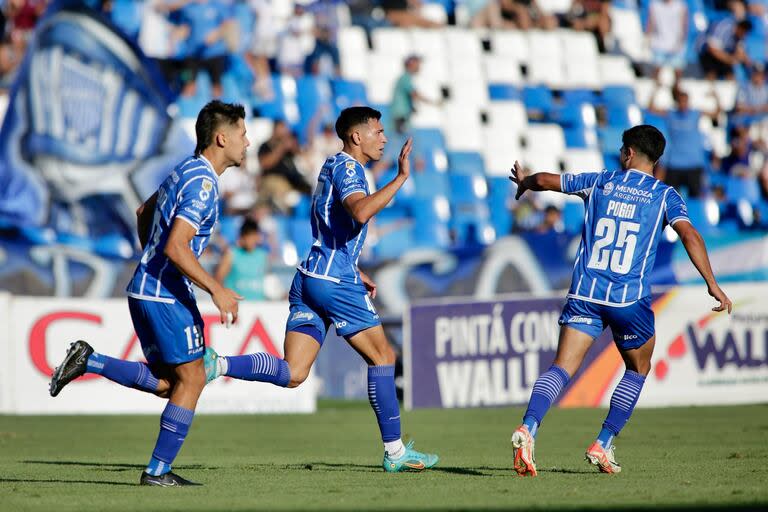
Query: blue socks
[131, 374]
[174, 425]
[623, 402]
[383, 397]
[545, 391]
[261, 367]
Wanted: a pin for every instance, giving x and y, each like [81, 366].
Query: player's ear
[221, 139]
[355, 136]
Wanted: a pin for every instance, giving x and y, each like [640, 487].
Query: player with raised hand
[330, 289]
[174, 227]
[626, 212]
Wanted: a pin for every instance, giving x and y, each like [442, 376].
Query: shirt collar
[210, 166]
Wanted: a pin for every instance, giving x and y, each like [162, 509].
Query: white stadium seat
[700, 94]
[434, 12]
[427, 116]
[392, 41]
[428, 42]
[511, 44]
[470, 92]
[498, 162]
[463, 44]
[644, 88]
[354, 67]
[499, 70]
[541, 161]
[576, 161]
[616, 70]
[580, 57]
[545, 64]
[545, 138]
[383, 72]
[554, 6]
[463, 129]
[507, 116]
[352, 40]
[626, 27]
[726, 92]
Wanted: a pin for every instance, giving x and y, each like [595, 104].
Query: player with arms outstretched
[174, 226]
[330, 289]
[626, 212]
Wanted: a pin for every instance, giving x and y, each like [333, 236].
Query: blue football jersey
[189, 193]
[625, 215]
[338, 237]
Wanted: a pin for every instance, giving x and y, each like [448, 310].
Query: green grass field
[695, 458]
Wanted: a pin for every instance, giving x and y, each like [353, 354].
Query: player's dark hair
[353, 116]
[645, 139]
[213, 115]
[745, 25]
[249, 226]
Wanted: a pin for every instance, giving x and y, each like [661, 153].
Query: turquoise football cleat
[212, 366]
[410, 461]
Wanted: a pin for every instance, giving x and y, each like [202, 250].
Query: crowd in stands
[550, 82]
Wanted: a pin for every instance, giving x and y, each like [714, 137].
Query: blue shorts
[169, 333]
[319, 303]
[631, 325]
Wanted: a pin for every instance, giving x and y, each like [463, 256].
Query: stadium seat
[573, 215]
[473, 92]
[510, 44]
[616, 70]
[463, 130]
[554, 6]
[431, 215]
[463, 45]
[726, 93]
[353, 52]
[580, 58]
[504, 92]
[538, 101]
[628, 30]
[499, 70]
[580, 137]
[704, 214]
[311, 93]
[507, 116]
[465, 162]
[393, 237]
[624, 116]
[700, 94]
[542, 161]
[742, 188]
[391, 41]
[582, 160]
[578, 96]
[383, 71]
[545, 138]
[618, 95]
[500, 195]
[347, 93]
[545, 64]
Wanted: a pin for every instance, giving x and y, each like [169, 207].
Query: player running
[174, 226]
[329, 288]
[626, 212]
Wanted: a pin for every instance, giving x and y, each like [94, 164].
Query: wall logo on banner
[484, 360]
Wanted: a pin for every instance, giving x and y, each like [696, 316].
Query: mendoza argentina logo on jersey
[86, 135]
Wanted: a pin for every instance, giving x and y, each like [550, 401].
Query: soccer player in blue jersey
[329, 288]
[626, 212]
[174, 226]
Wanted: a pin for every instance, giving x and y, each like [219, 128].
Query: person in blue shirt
[626, 212]
[329, 288]
[174, 227]
[684, 166]
[243, 267]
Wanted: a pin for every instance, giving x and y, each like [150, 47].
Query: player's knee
[385, 357]
[297, 378]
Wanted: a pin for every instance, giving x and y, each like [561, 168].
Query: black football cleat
[167, 480]
[73, 366]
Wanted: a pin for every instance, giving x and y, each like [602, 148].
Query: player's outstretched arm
[362, 207]
[697, 251]
[537, 182]
[144, 214]
[179, 252]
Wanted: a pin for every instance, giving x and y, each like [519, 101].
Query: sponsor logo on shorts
[339, 325]
[627, 337]
[580, 320]
[302, 315]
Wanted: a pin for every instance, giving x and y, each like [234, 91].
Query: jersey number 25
[620, 258]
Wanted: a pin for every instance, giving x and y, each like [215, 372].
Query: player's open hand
[403, 163]
[369, 284]
[519, 173]
[226, 302]
[722, 298]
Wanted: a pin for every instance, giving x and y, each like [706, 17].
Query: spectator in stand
[723, 48]
[263, 47]
[737, 161]
[667, 30]
[513, 14]
[590, 16]
[281, 182]
[320, 144]
[324, 59]
[242, 268]
[551, 222]
[684, 167]
[405, 95]
[405, 14]
[206, 46]
[752, 97]
[295, 42]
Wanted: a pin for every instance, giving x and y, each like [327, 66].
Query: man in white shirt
[667, 30]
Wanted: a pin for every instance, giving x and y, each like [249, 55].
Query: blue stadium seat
[579, 96]
[311, 93]
[573, 216]
[618, 96]
[610, 139]
[568, 114]
[704, 214]
[465, 162]
[500, 196]
[347, 93]
[576, 136]
[431, 222]
[428, 138]
[300, 232]
[503, 92]
[738, 188]
[538, 100]
[429, 183]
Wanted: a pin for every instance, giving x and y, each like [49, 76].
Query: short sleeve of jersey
[197, 200]
[675, 208]
[349, 178]
[578, 184]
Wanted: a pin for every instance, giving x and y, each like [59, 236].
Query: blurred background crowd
[477, 83]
